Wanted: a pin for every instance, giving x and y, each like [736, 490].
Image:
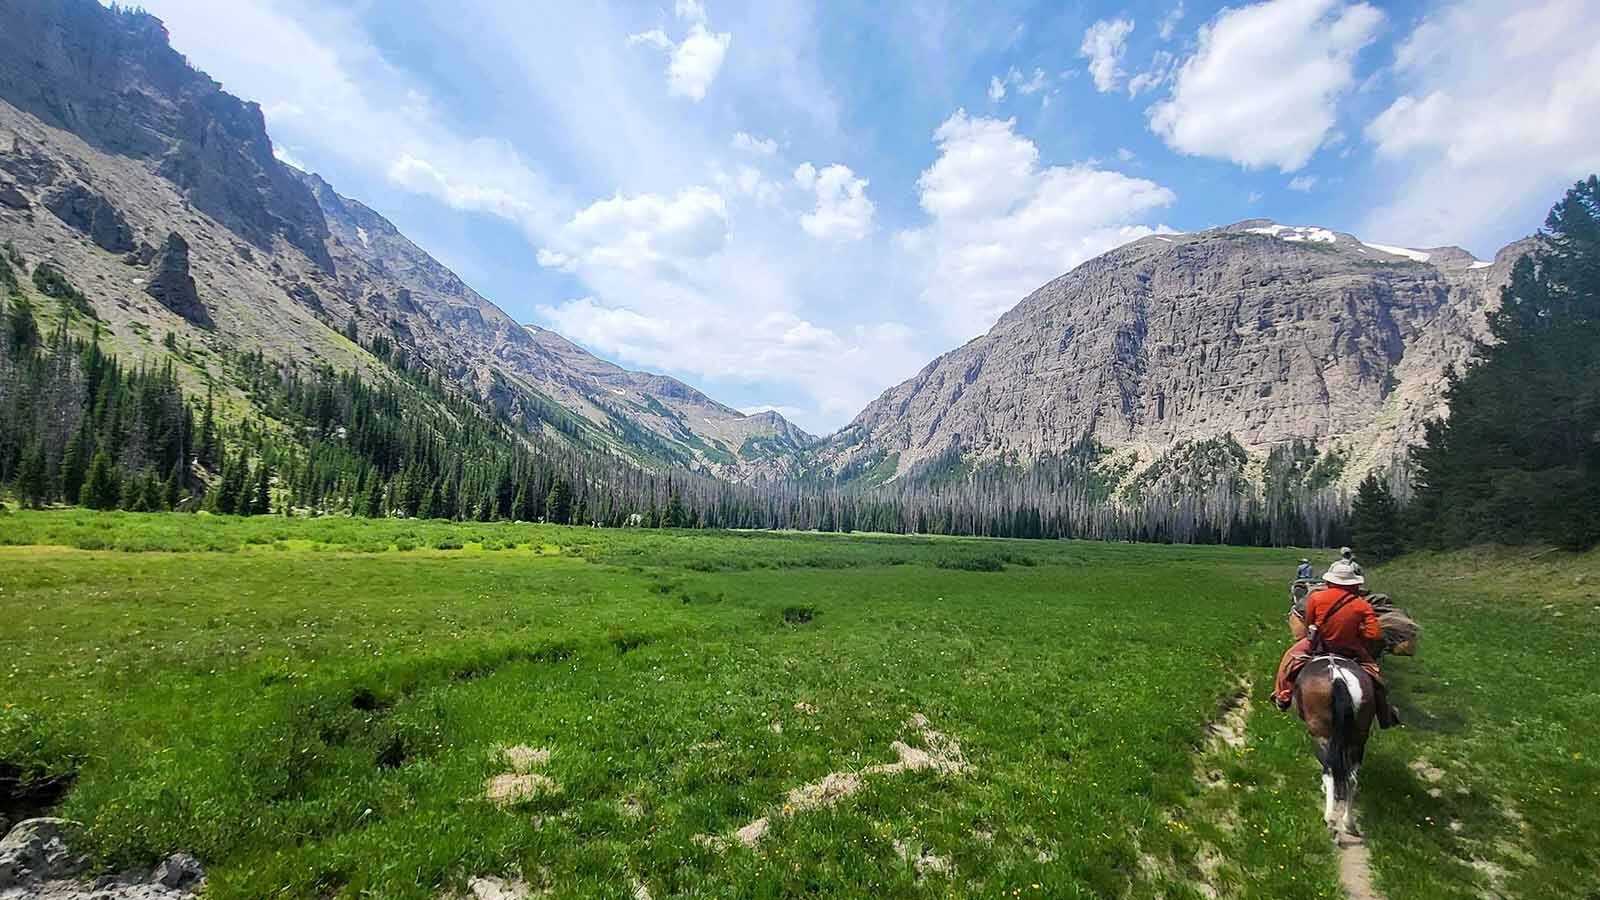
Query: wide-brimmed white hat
[1344, 572]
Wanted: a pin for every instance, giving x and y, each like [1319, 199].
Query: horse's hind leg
[1330, 801]
[1347, 819]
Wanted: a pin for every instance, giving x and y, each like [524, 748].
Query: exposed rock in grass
[36, 850]
[180, 871]
[804, 707]
[640, 891]
[36, 862]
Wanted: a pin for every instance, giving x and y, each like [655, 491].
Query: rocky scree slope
[1261, 331]
[158, 195]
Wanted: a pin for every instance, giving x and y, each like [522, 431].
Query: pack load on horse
[1338, 620]
[1400, 631]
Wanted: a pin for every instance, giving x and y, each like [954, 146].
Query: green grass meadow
[312, 707]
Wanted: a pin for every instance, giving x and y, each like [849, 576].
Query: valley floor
[319, 708]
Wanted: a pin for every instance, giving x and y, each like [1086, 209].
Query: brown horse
[1335, 698]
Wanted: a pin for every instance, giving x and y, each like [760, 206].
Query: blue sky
[796, 205]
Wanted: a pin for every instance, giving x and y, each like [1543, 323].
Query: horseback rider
[1304, 572]
[1340, 621]
[1349, 556]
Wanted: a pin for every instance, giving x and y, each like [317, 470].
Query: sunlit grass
[313, 706]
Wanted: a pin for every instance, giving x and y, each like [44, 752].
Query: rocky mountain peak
[110, 77]
[1262, 332]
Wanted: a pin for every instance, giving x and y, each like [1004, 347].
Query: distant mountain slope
[1266, 332]
[158, 194]
[653, 414]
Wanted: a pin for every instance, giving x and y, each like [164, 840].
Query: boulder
[173, 286]
[36, 850]
[180, 872]
[92, 214]
[140, 255]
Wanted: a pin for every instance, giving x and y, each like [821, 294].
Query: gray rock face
[173, 286]
[37, 863]
[1264, 332]
[180, 872]
[110, 77]
[13, 198]
[92, 214]
[36, 850]
[94, 96]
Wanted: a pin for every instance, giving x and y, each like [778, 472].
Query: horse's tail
[1343, 745]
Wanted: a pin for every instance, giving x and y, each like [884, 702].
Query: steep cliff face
[112, 80]
[1258, 330]
[111, 147]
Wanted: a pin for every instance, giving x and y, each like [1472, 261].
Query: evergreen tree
[673, 517]
[208, 434]
[1518, 459]
[75, 464]
[372, 503]
[261, 503]
[21, 332]
[171, 489]
[152, 500]
[33, 481]
[558, 504]
[1375, 520]
[100, 489]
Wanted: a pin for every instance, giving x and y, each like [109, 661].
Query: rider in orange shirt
[1347, 625]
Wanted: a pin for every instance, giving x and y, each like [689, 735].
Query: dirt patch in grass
[940, 753]
[522, 758]
[1228, 728]
[511, 788]
[521, 783]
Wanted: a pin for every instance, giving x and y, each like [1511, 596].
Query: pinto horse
[1334, 697]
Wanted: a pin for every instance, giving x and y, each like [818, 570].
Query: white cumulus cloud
[1497, 117]
[1103, 45]
[650, 232]
[692, 63]
[843, 211]
[1262, 87]
[1002, 224]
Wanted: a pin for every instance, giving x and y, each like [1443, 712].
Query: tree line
[79, 427]
[1518, 458]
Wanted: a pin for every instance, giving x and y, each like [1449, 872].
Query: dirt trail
[1355, 867]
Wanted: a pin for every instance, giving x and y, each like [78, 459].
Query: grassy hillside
[314, 707]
